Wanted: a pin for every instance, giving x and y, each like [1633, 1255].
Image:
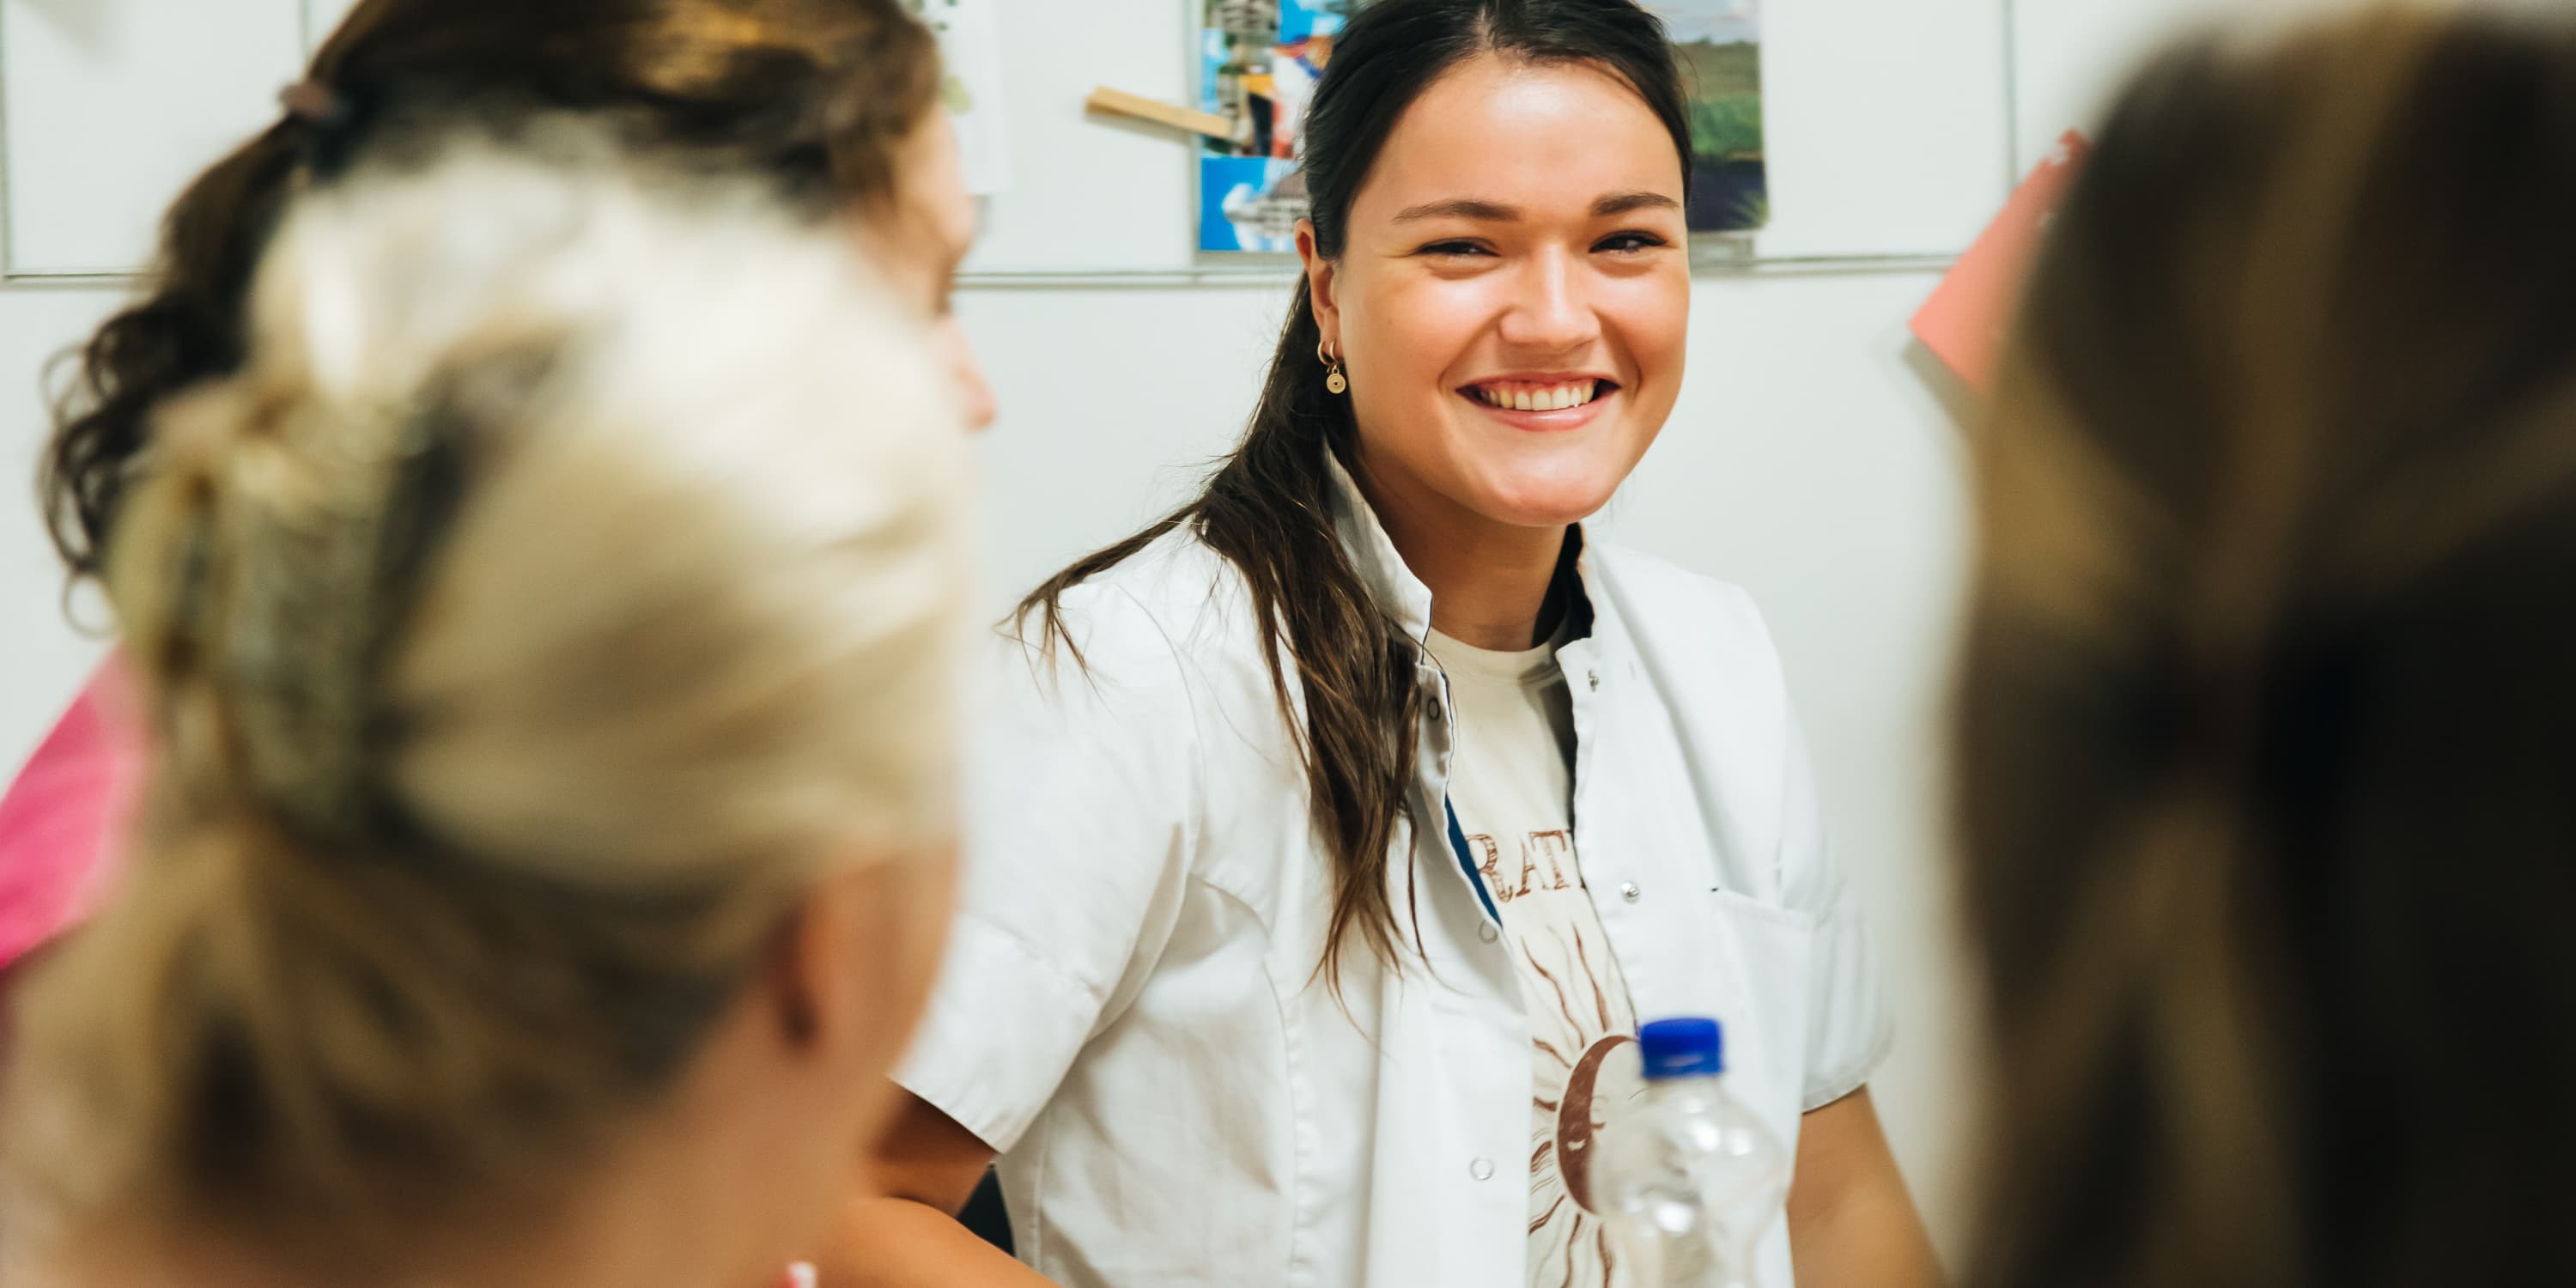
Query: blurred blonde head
[2267, 821]
[548, 638]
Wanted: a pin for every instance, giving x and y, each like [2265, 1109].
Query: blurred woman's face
[918, 241]
[1513, 294]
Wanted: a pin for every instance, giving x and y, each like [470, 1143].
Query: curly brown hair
[817, 94]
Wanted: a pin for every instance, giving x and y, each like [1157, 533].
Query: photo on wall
[1719, 46]
[1259, 60]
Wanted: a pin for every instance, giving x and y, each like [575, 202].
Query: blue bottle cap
[1691, 1047]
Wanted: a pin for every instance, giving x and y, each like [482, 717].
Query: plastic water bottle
[1688, 1177]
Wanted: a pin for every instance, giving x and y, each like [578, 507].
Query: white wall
[42, 658]
[1807, 460]
[1884, 121]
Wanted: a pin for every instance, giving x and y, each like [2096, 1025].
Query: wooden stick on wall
[1119, 102]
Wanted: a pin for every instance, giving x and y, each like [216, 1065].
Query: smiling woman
[1513, 293]
[1358, 811]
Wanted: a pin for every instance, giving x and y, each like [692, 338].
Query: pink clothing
[63, 819]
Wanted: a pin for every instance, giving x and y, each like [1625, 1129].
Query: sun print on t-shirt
[1583, 1032]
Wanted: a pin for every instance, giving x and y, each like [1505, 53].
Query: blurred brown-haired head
[2266, 805]
[817, 96]
[549, 645]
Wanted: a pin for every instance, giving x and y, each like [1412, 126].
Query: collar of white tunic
[1407, 601]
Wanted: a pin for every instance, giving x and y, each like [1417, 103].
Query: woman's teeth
[1538, 397]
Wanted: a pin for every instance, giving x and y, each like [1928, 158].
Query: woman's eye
[1454, 248]
[1630, 243]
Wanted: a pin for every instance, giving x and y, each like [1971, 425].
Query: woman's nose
[1550, 312]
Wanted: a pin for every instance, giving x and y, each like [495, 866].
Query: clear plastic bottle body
[1689, 1180]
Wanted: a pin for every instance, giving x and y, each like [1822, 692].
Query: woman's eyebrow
[1462, 208]
[1620, 203]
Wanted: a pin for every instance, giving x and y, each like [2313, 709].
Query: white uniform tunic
[1131, 1012]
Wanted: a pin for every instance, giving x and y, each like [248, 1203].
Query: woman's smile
[1543, 403]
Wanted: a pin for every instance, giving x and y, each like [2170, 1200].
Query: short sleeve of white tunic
[1058, 927]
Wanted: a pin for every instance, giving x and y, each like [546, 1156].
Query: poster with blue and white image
[1259, 61]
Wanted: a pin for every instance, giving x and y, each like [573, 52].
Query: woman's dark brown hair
[2266, 804]
[817, 93]
[1268, 508]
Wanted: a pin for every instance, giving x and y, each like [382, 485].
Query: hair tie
[315, 104]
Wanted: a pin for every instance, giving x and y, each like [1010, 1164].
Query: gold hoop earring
[1333, 378]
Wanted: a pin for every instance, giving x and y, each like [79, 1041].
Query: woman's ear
[851, 968]
[822, 966]
[1320, 283]
[807, 963]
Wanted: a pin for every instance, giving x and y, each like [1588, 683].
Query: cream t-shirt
[1511, 782]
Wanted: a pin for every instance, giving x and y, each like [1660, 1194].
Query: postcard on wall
[1719, 46]
[970, 46]
[1259, 60]
[1965, 322]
